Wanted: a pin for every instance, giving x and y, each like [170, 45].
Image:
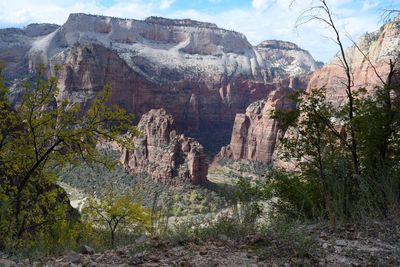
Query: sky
[259, 20]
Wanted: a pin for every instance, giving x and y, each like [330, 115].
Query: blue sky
[258, 19]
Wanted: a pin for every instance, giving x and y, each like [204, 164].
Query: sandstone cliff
[256, 133]
[165, 156]
[373, 50]
[201, 74]
[15, 44]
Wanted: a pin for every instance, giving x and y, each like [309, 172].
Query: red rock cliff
[373, 51]
[165, 156]
[255, 133]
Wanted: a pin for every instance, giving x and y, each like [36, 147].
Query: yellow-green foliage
[115, 213]
[196, 201]
[37, 134]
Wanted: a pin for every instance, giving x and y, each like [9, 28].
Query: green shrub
[295, 196]
[210, 229]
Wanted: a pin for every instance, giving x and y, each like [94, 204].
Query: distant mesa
[277, 44]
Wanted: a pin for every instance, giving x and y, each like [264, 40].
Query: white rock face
[14, 44]
[287, 57]
[188, 48]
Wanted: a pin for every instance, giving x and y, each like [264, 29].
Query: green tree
[115, 213]
[42, 132]
[319, 147]
[352, 151]
[378, 127]
[323, 154]
[322, 13]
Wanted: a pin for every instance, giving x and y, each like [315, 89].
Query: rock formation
[256, 133]
[373, 50]
[201, 74]
[15, 44]
[163, 155]
[287, 57]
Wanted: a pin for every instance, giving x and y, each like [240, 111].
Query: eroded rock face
[201, 74]
[15, 44]
[288, 58]
[256, 133]
[164, 155]
[374, 52]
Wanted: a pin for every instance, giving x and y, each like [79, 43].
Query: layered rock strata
[368, 59]
[201, 74]
[256, 133]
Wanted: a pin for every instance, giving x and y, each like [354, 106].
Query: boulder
[86, 250]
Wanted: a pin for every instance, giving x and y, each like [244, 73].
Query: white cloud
[166, 3]
[369, 4]
[260, 5]
[22, 12]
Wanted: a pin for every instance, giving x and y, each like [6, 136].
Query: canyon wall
[256, 133]
[200, 74]
[368, 59]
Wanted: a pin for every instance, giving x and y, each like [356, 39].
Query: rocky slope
[164, 155]
[201, 74]
[376, 244]
[255, 134]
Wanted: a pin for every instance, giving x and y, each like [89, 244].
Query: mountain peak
[278, 44]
